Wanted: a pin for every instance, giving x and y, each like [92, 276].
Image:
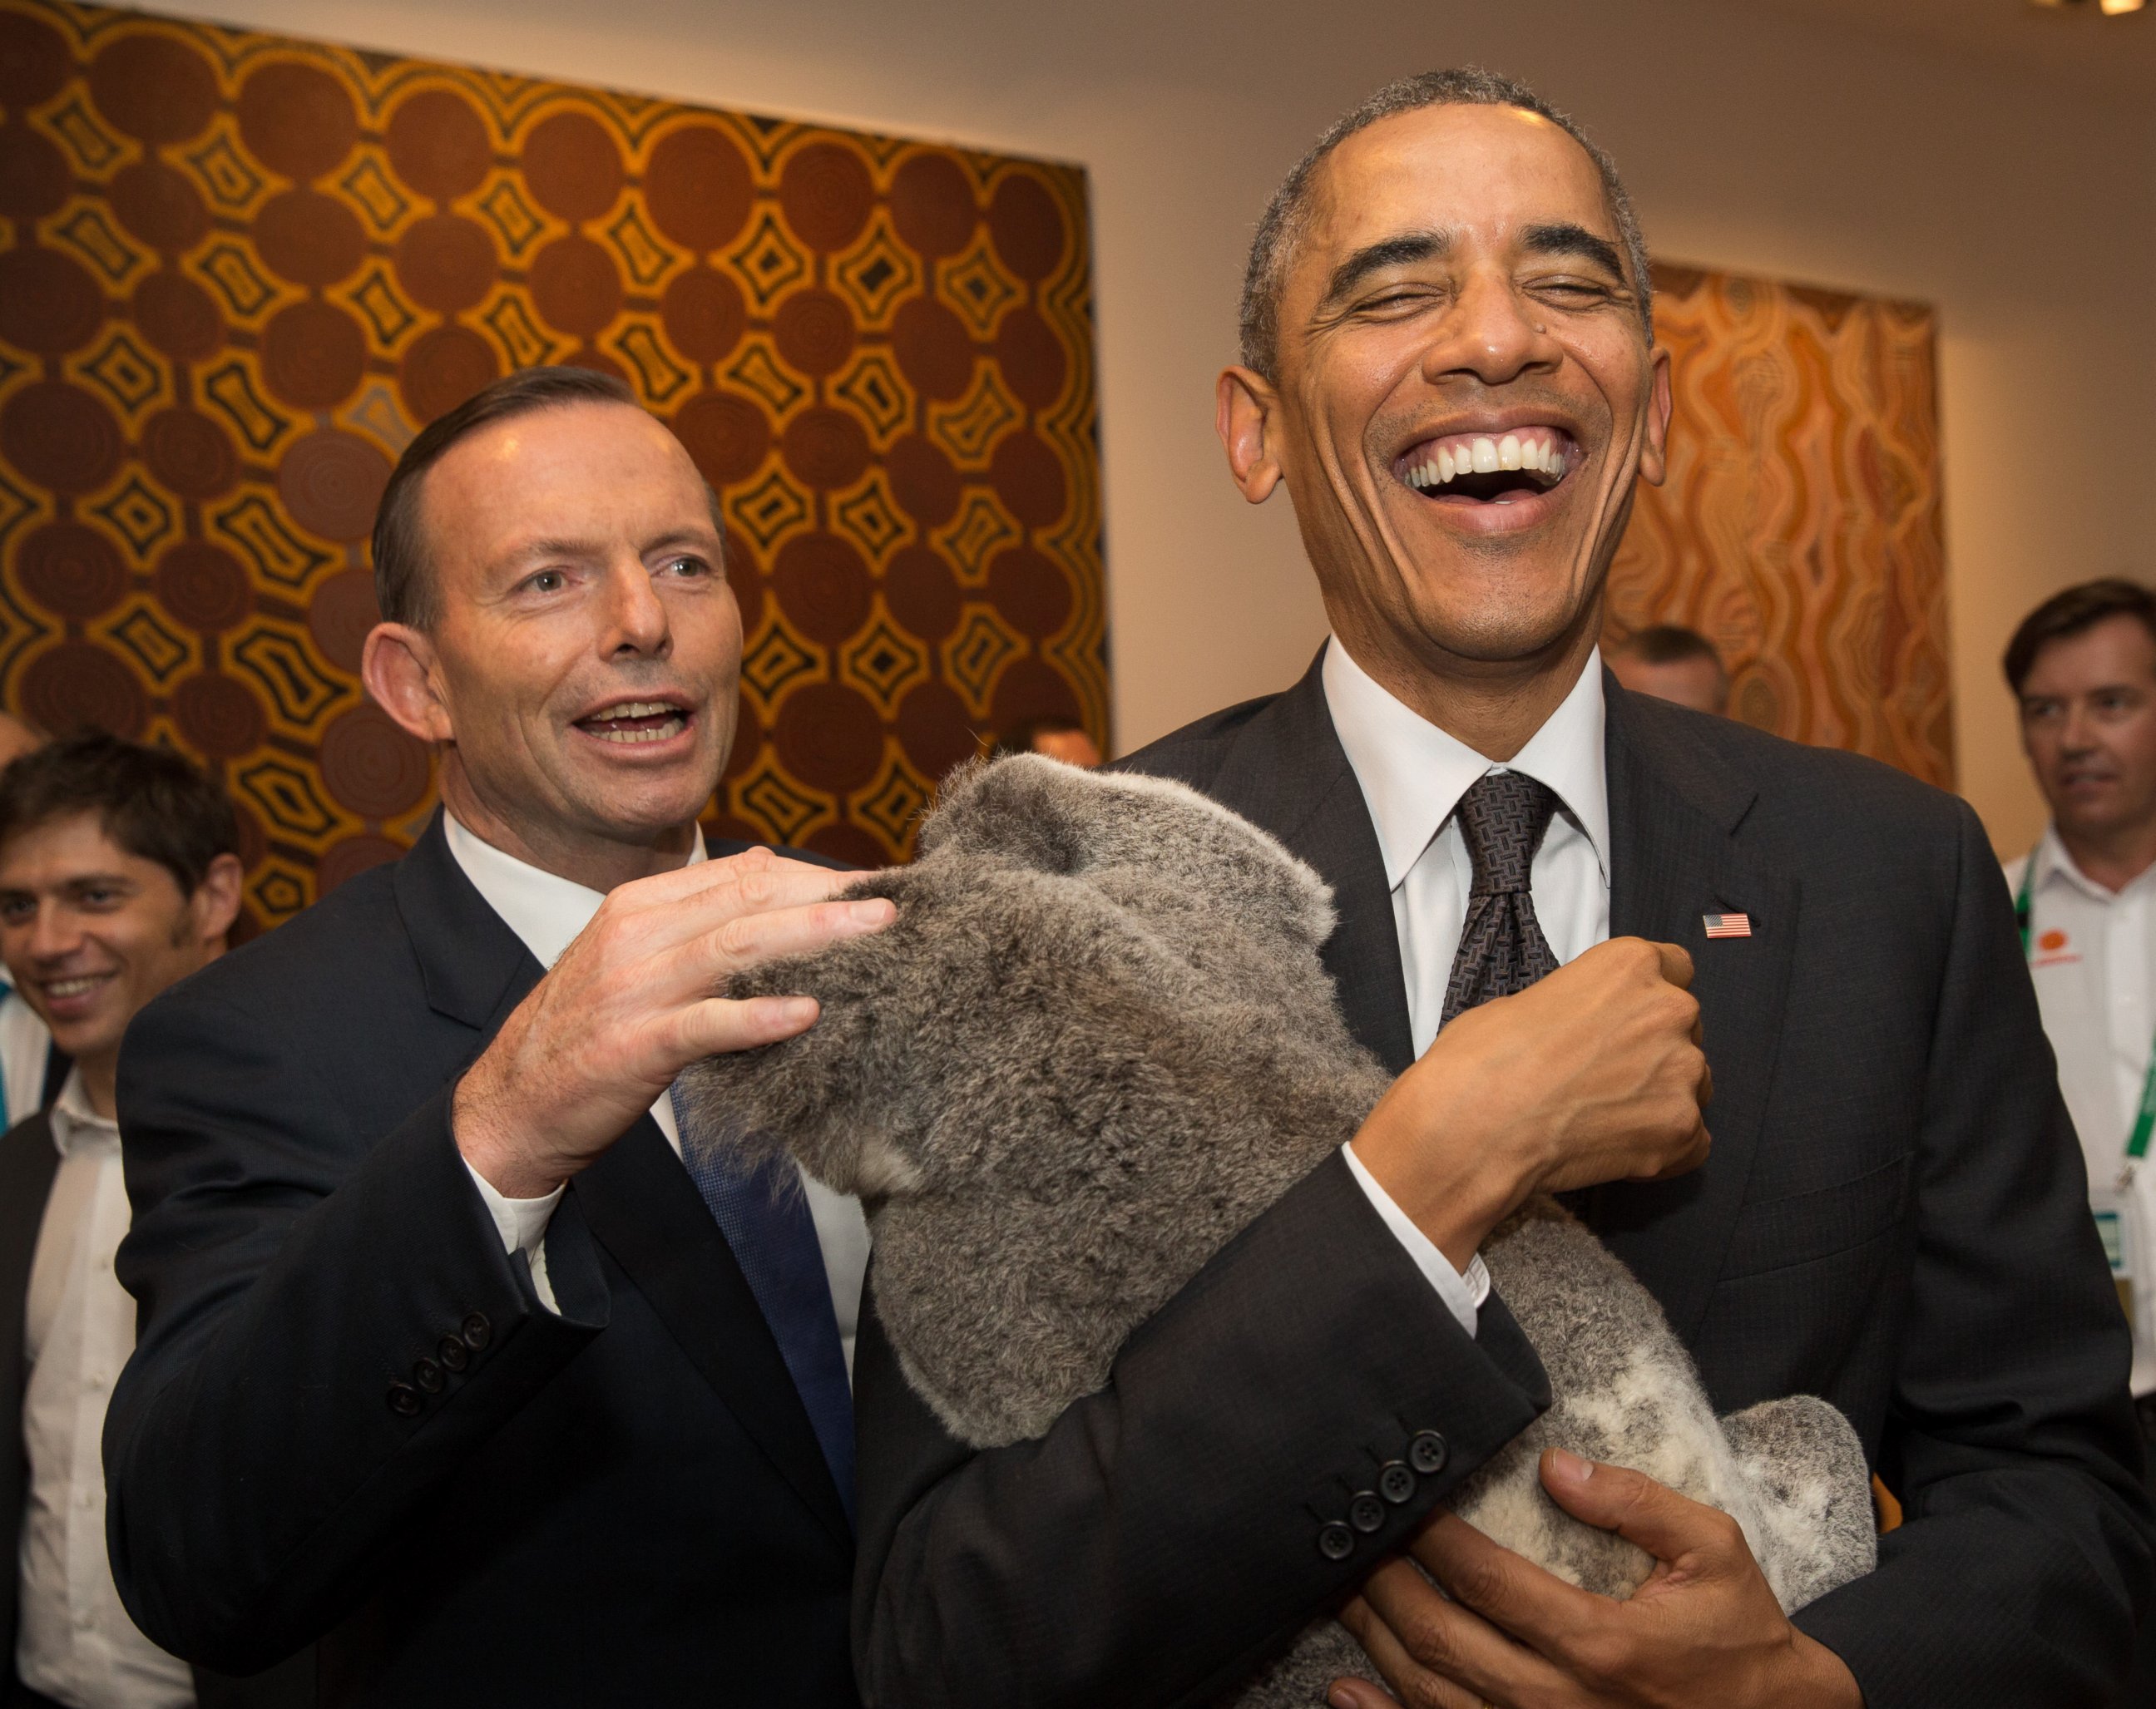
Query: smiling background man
[2083, 666]
[1449, 363]
[446, 1358]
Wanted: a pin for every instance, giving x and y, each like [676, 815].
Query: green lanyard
[2144, 1117]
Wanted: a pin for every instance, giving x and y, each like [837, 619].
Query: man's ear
[1653, 457]
[1246, 413]
[397, 666]
[216, 901]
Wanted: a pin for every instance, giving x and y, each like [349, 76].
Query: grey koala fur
[1096, 1042]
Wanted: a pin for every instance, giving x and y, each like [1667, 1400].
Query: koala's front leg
[1813, 1494]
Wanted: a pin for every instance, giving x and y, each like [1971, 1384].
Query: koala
[1096, 1042]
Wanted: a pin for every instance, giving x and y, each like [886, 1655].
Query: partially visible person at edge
[2082, 668]
[118, 878]
[1449, 363]
[31, 1065]
[447, 1359]
[1675, 664]
[1059, 738]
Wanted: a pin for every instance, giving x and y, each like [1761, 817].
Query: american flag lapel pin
[1727, 924]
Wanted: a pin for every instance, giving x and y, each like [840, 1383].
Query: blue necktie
[765, 1217]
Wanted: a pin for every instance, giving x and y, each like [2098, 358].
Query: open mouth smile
[73, 995]
[632, 723]
[1489, 468]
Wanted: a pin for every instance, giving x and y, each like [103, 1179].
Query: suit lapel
[475, 968]
[1674, 812]
[644, 1209]
[638, 1198]
[1287, 772]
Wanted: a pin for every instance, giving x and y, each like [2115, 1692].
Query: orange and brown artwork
[1800, 528]
[240, 272]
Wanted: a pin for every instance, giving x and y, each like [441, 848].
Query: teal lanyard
[2144, 1117]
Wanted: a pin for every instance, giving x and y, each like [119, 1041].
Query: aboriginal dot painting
[240, 272]
[1799, 528]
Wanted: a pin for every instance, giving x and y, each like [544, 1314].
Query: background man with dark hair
[118, 877]
[1449, 363]
[2082, 667]
[1673, 663]
[31, 1065]
[446, 1358]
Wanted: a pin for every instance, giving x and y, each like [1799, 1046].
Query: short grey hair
[1287, 216]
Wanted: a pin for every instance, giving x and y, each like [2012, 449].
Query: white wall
[1753, 137]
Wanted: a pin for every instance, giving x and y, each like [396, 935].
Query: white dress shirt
[24, 1048]
[1412, 775]
[2092, 955]
[547, 912]
[74, 1642]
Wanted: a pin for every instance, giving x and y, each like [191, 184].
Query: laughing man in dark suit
[1449, 363]
[446, 1358]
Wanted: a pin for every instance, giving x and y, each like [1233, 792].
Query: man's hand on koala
[633, 1001]
[1592, 1074]
[1704, 1628]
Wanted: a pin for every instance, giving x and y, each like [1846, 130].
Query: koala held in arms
[1096, 1042]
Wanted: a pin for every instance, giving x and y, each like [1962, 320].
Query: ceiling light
[2113, 9]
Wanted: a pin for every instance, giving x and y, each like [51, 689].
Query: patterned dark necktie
[1502, 950]
[765, 1219]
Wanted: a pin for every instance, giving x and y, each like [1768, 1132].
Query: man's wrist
[1822, 1678]
[491, 1155]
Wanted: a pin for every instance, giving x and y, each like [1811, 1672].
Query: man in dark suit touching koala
[1448, 362]
[446, 1358]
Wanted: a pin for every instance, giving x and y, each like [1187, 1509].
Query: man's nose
[55, 934]
[1492, 334]
[636, 614]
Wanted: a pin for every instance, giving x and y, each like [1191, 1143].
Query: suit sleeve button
[427, 1375]
[404, 1400]
[1427, 1453]
[478, 1332]
[1365, 1511]
[1396, 1483]
[453, 1353]
[1336, 1542]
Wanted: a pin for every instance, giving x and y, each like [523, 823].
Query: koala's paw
[1807, 1469]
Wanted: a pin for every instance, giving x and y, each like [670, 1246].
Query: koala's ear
[1028, 810]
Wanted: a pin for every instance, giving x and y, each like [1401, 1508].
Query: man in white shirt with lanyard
[2083, 667]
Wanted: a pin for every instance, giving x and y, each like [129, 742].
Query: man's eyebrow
[1386, 251]
[1573, 240]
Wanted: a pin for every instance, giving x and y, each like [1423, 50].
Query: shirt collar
[1412, 774]
[2054, 862]
[545, 910]
[74, 1125]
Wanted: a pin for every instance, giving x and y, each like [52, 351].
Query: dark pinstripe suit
[1894, 1217]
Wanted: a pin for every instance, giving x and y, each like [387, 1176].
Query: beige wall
[1754, 138]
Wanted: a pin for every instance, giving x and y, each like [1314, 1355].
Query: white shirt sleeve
[521, 1222]
[1463, 1296]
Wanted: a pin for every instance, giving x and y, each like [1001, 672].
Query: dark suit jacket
[27, 1164]
[1894, 1217]
[348, 1416]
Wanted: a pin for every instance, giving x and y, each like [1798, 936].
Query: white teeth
[636, 709]
[671, 727]
[1540, 451]
[68, 987]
